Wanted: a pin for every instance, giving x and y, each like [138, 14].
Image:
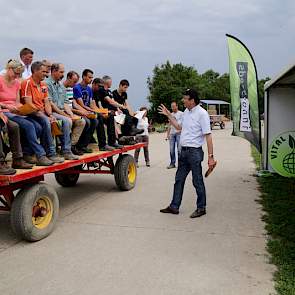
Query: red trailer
[34, 205]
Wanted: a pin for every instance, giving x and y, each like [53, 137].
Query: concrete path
[109, 242]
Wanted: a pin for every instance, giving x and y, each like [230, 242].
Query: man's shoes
[127, 140]
[134, 131]
[169, 210]
[86, 150]
[148, 164]
[107, 148]
[76, 151]
[44, 161]
[56, 159]
[92, 140]
[21, 164]
[5, 169]
[70, 156]
[171, 166]
[117, 146]
[198, 213]
[137, 166]
[30, 159]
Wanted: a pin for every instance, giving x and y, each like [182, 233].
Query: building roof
[214, 101]
[285, 78]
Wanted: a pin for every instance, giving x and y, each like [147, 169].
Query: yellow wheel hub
[42, 212]
[131, 173]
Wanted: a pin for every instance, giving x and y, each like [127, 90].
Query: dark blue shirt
[85, 93]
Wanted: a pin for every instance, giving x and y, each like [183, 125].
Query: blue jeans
[174, 142]
[46, 136]
[190, 160]
[30, 131]
[65, 138]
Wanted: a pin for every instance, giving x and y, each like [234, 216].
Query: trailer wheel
[66, 180]
[125, 172]
[34, 212]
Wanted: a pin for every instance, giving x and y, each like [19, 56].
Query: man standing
[34, 90]
[195, 128]
[173, 135]
[62, 111]
[120, 96]
[26, 58]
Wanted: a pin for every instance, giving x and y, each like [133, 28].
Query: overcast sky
[126, 39]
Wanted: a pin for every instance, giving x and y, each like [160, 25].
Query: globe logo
[289, 159]
[281, 154]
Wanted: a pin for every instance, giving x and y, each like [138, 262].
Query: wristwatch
[210, 156]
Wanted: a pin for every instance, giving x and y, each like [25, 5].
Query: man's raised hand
[163, 110]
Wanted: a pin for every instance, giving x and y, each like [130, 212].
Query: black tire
[24, 224]
[66, 180]
[125, 172]
[222, 125]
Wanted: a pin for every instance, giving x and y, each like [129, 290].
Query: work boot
[117, 146]
[134, 131]
[44, 161]
[5, 169]
[86, 150]
[70, 156]
[76, 151]
[56, 159]
[31, 159]
[19, 163]
[106, 148]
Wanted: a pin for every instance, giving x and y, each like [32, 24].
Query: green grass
[278, 201]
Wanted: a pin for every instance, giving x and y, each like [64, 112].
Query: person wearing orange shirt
[34, 90]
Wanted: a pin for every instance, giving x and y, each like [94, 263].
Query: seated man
[120, 96]
[82, 94]
[105, 96]
[97, 82]
[34, 90]
[62, 110]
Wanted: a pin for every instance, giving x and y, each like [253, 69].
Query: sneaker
[21, 164]
[169, 210]
[148, 164]
[106, 148]
[56, 159]
[198, 213]
[135, 131]
[137, 166]
[44, 161]
[31, 159]
[86, 150]
[70, 156]
[76, 151]
[117, 146]
[5, 169]
[171, 166]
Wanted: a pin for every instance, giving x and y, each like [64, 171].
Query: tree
[261, 94]
[170, 80]
[167, 85]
